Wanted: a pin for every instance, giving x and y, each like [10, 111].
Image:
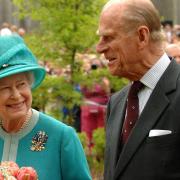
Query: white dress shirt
[150, 79]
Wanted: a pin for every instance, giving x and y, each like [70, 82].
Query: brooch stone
[5, 65]
[39, 141]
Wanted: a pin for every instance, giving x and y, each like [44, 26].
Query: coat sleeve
[73, 161]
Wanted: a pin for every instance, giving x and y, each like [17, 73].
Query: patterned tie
[132, 110]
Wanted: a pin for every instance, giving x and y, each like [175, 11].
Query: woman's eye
[4, 88]
[22, 84]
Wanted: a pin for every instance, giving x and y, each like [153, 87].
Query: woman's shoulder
[56, 130]
[51, 122]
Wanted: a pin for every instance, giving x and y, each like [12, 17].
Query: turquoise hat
[16, 57]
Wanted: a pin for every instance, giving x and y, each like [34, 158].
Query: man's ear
[143, 36]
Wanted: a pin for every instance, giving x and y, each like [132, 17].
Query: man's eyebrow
[104, 33]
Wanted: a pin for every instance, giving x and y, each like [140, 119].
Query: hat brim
[38, 71]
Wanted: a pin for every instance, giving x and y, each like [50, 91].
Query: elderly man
[143, 119]
[173, 50]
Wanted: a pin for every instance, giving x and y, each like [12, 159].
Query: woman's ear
[143, 36]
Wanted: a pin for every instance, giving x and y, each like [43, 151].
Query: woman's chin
[17, 112]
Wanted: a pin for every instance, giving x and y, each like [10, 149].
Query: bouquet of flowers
[9, 170]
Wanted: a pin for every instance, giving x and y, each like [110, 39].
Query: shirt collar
[153, 75]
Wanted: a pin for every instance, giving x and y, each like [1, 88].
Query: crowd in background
[91, 114]
[9, 29]
[172, 45]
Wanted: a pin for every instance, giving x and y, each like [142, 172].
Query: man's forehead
[109, 25]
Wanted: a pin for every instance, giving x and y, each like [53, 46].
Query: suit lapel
[116, 125]
[156, 104]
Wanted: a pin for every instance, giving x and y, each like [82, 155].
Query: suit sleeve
[73, 161]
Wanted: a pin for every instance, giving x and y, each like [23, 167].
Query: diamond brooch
[39, 141]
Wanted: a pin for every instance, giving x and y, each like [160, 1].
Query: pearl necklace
[29, 114]
[28, 117]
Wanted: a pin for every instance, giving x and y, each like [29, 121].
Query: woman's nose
[15, 93]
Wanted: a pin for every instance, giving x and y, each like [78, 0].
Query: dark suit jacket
[143, 157]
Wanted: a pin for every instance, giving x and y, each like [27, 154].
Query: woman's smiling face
[15, 97]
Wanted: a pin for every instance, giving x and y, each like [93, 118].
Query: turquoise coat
[61, 157]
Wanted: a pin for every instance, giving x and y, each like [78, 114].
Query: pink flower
[1, 176]
[11, 178]
[27, 173]
[11, 166]
[9, 170]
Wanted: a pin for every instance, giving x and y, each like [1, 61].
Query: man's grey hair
[137, 13]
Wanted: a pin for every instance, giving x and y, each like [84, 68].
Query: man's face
[118, 47]
[175, 53]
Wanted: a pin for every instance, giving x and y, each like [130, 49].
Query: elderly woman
[29, 137]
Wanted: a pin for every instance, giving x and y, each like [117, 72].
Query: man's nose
[101, 47]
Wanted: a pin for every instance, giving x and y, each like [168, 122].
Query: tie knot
[135, 88]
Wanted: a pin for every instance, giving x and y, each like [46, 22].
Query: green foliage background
[66, 28]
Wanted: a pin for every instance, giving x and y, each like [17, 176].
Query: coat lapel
[116, 125]
[156, 104]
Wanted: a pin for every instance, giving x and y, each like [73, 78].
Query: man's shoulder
[121, 92]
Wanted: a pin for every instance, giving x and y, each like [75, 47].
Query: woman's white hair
[30, 77]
